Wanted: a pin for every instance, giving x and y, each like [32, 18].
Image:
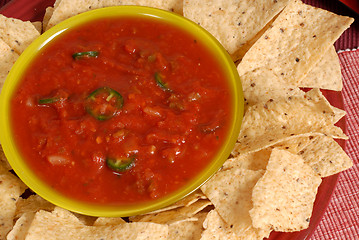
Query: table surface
[341, 219]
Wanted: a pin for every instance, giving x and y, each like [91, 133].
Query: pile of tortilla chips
[285, 147]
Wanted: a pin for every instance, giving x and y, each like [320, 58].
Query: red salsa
[121, 110]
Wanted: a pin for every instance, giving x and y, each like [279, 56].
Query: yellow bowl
[29, 177]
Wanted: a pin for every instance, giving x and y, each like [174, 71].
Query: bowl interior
[15, 75]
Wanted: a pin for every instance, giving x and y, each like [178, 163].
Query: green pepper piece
[161, 83]
[103, 103]
[120, 164]
[80, 55]
[48, 100]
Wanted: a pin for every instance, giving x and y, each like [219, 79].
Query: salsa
[121, 110]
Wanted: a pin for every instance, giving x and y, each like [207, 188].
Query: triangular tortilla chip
[184, 202]
[21, 227]
[16, 33]
[339, 114]
[258, 160]
[217, 229]
[326, 156]
[283, 198]
[38, 26]
[8, 57]
[67, 8]
[233, 22]
[325, 74]
[297, 40]
[230, 192]
[187, 230]
[61, 224]
[10, 189]
[32, 204]
[261, 85]
[269, 123]
[251, 161]
[108, 221]
[174, 215]
[4, 164]
[48, 13]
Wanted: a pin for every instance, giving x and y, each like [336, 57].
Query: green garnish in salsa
[80, 55]
[160, 82]
[48, 100]
[120, 164]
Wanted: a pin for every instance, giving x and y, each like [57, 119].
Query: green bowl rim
[45, 191]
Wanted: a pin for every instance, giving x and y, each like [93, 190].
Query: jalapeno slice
[161, 83]
[120, 164]
[103, 103]
[80, 55]
[48, 100]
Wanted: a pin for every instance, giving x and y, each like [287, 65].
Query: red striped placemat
[341, 219]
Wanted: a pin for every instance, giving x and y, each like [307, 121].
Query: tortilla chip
[244, 49]
[261, 85]
[338, 114]
[174, 215]
[269, 123]
[283, 198]
[108, 221]
[258, 160]
[48, 14]
[67, 8]
[56, 4]
[217, 229]
[4, 164]
[2, 169]
[233, 22]
[187, 230]
[230, 192]
[61, 224]
[294, 145]
[58, 226]
[326, 156]
[87, 220]
[192, 198]
[326, 73]
[174, 5]
[32, 204]
[169, 5]
[16, 33]
[251, 161]
[8, 57]
[188, 200]
[298, 38]
[317, 95]
[38, 26]
[21, 227]
[10, 189]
